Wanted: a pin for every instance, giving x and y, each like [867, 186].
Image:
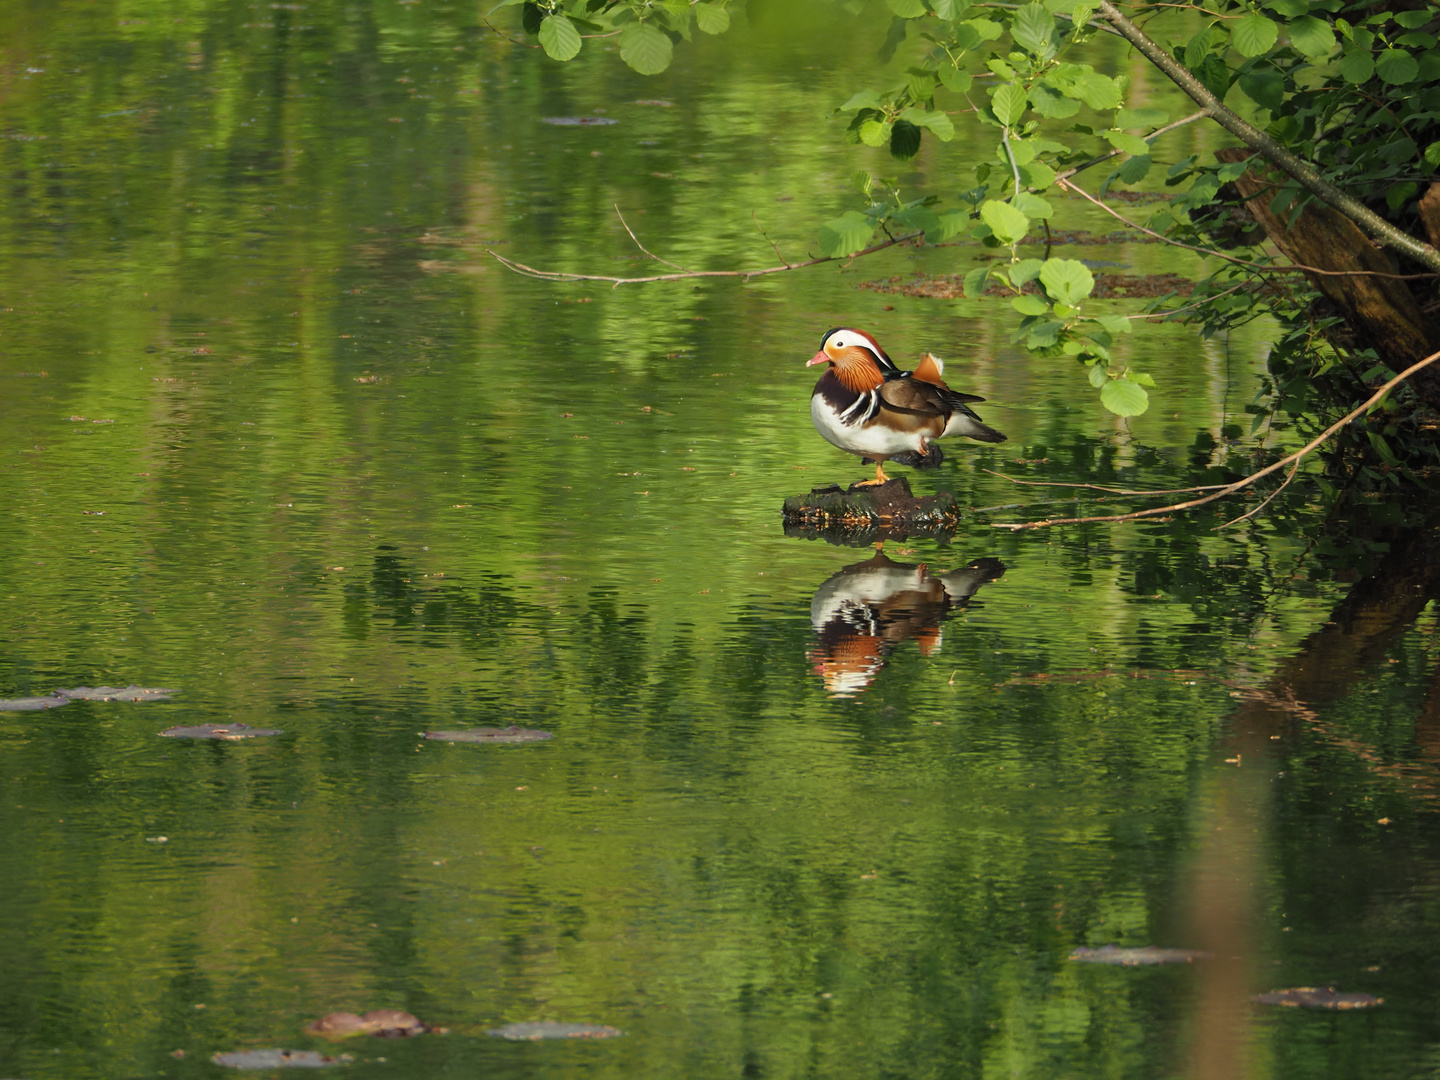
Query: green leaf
[1198, 48]
[559, 38]
[939, 123]
[1037, 175]
[904, 140]
[951, 223]
[865, 99]
[847, 234]
[1254, 35]
[1098, 91]
[1265, 88]
[1008, 224]
[874, 133]
[1312, 37]
[1115, 324]
[974, 282]
[645, 48]
[1124, 398]
[1052, 104]
[1400, 194]
[954, 78]
[1024, 271]
[917, 217]
[1288, 9]
[1032, 206]
[712, 18]
[1432, 155]
[1034, 29]
[1141, 378]
[907, 9]
[1130, 144]
[1008, 102]
[987, 30]
[921, 84]
[1214, 75]
[947, 9]
[1043, 335]
[1135, 169]
[1357, 66]
[531, 16]
[1140, 118]
[1416, 40]
[1030, 305]
[1396, 66]
[1413, 20]
[1098, 375]
[1067, 281]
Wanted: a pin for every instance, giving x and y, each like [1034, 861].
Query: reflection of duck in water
[862, 611]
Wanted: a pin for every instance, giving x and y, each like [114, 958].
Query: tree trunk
[1382, 311]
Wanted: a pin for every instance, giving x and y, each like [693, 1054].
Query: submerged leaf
[511, 734]
[547, 1029]
[276, 1059]
[1317, 997]
[227, 732]
[1139, 957]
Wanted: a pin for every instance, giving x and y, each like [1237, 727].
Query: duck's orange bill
[818, 358]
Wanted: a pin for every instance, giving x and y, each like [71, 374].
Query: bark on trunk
[1382, 311]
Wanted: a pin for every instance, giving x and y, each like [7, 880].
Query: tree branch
[1373, 224]
[1239, 485]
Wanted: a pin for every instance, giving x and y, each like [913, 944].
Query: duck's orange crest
[856, 369]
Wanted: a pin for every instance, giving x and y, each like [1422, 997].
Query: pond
[280, 436]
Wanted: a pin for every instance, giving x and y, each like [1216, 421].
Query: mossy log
[864, 514]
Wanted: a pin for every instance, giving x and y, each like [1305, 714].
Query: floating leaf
[382, 1023]
[276, 1059]
[33, 704]
[1142, 956]
[121, 693]
[511, 734]
[225, 732]
[559, 38]
[1317, 997]
[546, 1029]
[645, 48]
[1124, 398]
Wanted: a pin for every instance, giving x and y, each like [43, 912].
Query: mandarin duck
[866, 405]
[861, 612]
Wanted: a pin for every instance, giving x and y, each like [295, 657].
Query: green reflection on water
[279, 434]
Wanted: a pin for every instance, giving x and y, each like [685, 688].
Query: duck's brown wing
[913, 395]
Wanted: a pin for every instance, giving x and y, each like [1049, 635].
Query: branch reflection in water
[861, 612]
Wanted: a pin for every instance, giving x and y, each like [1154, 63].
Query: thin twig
[1263, 503]
[1148, 138]
[1187, 307]
[641, 246]
[776, 247]
[1230, 258]
[616, 282]
[1239, 485]
[1005, 142]
[507, 37]
[1097, 487]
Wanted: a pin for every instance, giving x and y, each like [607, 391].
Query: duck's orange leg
[880, 477]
